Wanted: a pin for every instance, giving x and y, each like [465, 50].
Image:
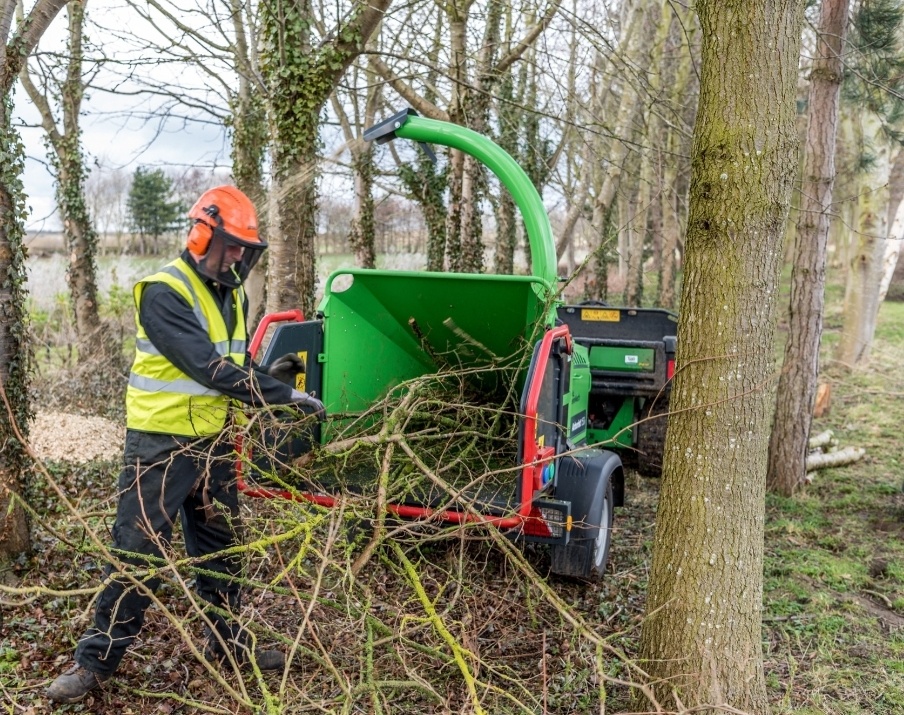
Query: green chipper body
[376, 331]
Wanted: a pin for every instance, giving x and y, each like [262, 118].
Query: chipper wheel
[592, 497]
[651, 438]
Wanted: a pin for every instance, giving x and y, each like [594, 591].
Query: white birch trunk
[861, 306]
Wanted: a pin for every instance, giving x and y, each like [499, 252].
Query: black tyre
[590, 490]
[651, 438]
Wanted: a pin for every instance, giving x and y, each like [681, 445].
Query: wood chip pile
[60, 436]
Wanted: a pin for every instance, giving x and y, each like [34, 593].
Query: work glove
[309, 404]
[286, 367]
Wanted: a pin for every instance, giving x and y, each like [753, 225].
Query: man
[190, 365]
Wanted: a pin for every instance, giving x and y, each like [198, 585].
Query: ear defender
[199, 238]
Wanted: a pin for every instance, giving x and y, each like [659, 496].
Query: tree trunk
[454, 258]
[474, 185]
[81, 243]
[15, 352]
[895, 224]
[70, 172]
[361, 231]
[458, 74]
[250, 138]
[701, 640]
[605, 254]
[861, 306]
[637, 42]
[362, 227]
[636, 231]
[506, 217]
[427, 187]
[671, 228]
[680, 80]
[796, 393]
[300, 79]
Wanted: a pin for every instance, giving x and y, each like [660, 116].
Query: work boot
[270, 659]
[75, 684]
[265, 659]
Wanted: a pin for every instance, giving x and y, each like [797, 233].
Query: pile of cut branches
[435, 441]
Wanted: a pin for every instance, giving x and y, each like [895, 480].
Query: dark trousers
[164, 476]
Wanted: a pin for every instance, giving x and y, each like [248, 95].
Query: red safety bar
[295, 315]
[534, 457]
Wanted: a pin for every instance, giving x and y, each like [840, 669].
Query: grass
[834, 622]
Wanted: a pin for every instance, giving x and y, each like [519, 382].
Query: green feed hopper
[386, 327]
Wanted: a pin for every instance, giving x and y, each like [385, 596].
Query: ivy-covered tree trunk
[15, 353]
[701, 640]
[300, 79]
[361, 231]
[427, 187]
[15, 350]
[796, 394]
[81, 242]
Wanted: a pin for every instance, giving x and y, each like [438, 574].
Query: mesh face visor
[229, 259]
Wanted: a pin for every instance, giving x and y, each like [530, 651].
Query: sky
[115, 142]
[113, 135]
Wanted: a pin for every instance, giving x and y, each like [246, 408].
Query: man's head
[223, 238]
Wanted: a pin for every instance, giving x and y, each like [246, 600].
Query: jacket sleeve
[174, 330]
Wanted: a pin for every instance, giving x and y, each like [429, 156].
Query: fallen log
[823, 439]
[821, 460]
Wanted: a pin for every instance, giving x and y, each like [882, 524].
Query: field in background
[47, 271]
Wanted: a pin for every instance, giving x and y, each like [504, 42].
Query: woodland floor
[430, 612]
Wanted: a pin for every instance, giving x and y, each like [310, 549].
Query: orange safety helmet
[227, 208]
[223, 216]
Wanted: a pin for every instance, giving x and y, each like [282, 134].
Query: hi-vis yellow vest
[160, 397]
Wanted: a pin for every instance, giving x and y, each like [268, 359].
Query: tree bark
[861, 304]
[701, 640]
[796, 393]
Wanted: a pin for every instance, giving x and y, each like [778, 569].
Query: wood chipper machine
[380, 335]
